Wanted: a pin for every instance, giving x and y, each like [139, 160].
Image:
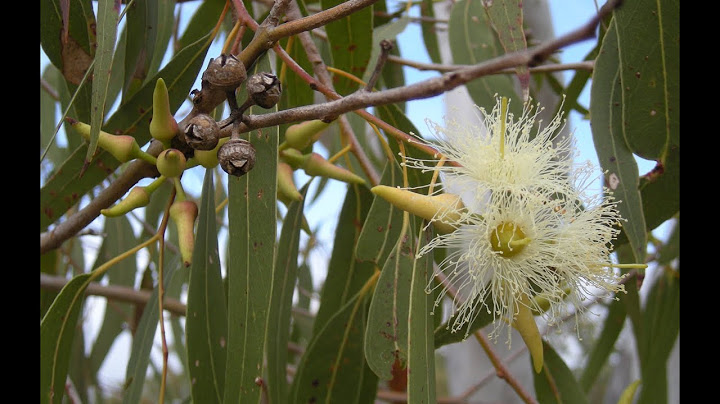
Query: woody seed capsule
[264, 88]
[225, 72]
[202, 133]
[237, 157]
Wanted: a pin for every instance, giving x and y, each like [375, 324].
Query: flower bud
[171, 163]
[443, 209]
[237, 157]
[301, 135]
[316, 165]
[287, 191]
[184, 213]
[163, 125]
[202, 132]
[524, 323]
[225, 72]
[264, 88]
[294, 158]
[123, 147]
[209, 158]
[136, 198]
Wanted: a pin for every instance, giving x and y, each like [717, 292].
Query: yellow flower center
[508, 239]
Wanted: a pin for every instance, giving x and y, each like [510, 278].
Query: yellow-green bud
[171, 163]
[209, 158]
[524, 323]
[123, 147]
[316, 165]
[136, 198]
[163, 125]
[287, 191]
[294, 158]
[184, 213]
[442, 209]
[301, 135]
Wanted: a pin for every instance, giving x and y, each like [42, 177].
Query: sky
[566, 14]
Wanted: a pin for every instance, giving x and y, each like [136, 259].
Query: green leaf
[206, 320]
[506, 18]
[164, 27]
[613, 154]
[108, 15]
[284, 278]
[662, 184]
[120, 238]
[386, 337]
[346, 274]
[57, 330]
[48, 119]
[49, 263]
[144, 337]
[420, 345]
[671, 249]
[348, 38]
[203, 21]
[661, 322]
[648, 33]
[251, 234]
[73, 54]
[66, 186]
[333, 366]
[429, 32]
[383, 223]
[472, 40]
[142, 19]
[384, 32]
[605, 344]
[629, 393]
[556, 383]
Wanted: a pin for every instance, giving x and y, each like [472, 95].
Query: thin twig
[385, 47]
[555, 67]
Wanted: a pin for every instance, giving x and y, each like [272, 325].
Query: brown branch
[119, 293]
[586, 65]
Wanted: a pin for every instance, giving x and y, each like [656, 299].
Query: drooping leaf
[108, 16]
[348, 38]
[333, 366]
[49, 263]
[648, 34]
[429, 32]
[662, 184]
[661, 321]
[66, 186]
[613, 154]
[142, 31]
[420, 345]
[57, 330]
[120, 238]
[204, 18]
[164, 28]
[284, 278]
[251, 240]
[605, 344]
[472, 40]
[556, 383]
[206, 320]
[506, 17]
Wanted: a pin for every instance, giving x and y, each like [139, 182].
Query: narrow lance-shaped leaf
[142, 31]
[252, 231]
[206, 321]
[57, 330]
[613, 154]
[556, 383]
[472, 40]
[605, 344]
[108, 15]
[648, 34]
[284, 278]
[421, 341]
[429, 32]
[506, 17]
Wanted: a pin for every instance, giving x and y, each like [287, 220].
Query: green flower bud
[136, 198]
[294, 158]
[301, 135]
[123, 147]
[163, 125]
[287, 191]
[171, 163]
[316, 165]
[442, 209]
[209, 158]
[524, 322]
[184, 213]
